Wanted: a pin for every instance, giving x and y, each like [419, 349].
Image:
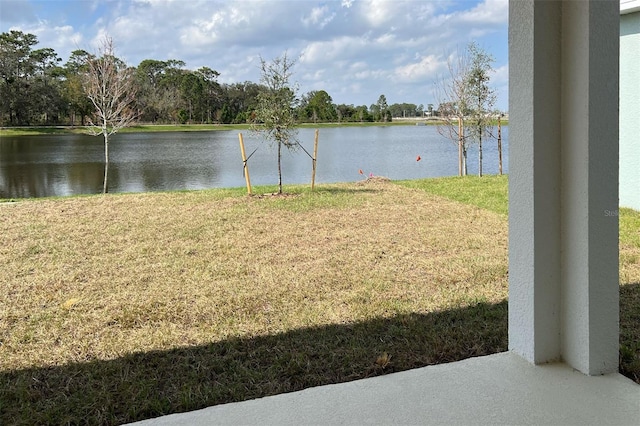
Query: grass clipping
[123, 307]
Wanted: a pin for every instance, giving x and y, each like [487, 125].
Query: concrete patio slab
[496, 389]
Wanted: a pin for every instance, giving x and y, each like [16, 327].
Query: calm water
[41, 166]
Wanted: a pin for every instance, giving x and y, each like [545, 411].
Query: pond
[59, 165]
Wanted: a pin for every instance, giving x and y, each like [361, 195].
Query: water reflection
[58, 165]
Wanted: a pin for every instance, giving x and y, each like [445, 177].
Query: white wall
[630, 107]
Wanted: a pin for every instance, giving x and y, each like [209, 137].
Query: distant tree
[16, 69]
[192, 89]
[346, 112]
[317, 106]
[402, 110]
[382, 109]
[374, 110]
[275, 111]
[160, 95]
[212, 93]
[152, 94]
[240, 100]
[110, 85]
[364, 114]
[72, 87]
[46, 100]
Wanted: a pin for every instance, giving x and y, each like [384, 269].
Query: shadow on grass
[151, 384]
[630, 331]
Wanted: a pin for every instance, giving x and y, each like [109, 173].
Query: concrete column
[534, 180]
[563, 183]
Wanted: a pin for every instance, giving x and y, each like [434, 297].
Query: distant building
[630, 104]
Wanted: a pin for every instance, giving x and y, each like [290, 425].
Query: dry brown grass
[101, 277]
[124, 307]
[288, 291]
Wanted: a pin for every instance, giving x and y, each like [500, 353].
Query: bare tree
[109, 84]
[453, 96]
[275, 112]
[466, 102]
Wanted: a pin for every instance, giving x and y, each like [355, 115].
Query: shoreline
[153, 128]
[241, 191]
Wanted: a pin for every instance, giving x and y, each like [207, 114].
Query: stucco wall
[630, 110]
[563, 183]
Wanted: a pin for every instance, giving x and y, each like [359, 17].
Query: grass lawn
[124, 307]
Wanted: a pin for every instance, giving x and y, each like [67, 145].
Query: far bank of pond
[153, 128]
[69, 164]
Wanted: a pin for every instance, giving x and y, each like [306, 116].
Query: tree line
[37, 88]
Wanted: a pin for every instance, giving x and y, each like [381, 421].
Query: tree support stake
[245, 168]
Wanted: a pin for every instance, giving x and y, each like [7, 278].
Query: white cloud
[501, 75]
[324, 51]
[358, 49]
[388, 39]
[319, 17]
[427, 67]
[378, 12]
[63, 39]
[487, 12]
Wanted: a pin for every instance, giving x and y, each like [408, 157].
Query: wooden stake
[245, 165]
[315, 157]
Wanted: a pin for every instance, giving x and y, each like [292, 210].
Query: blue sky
[356, 50]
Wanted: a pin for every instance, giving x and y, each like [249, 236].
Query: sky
[356, 50]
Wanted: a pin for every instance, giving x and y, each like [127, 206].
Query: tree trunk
[464, 161]
[279, 167]
[460, 145]
[105, 185]
[480, 153]
[499, 146]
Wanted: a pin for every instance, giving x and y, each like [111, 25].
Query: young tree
[453, 99]
[109, 84]
[275, 111]
[482, 98]
[466, 102]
